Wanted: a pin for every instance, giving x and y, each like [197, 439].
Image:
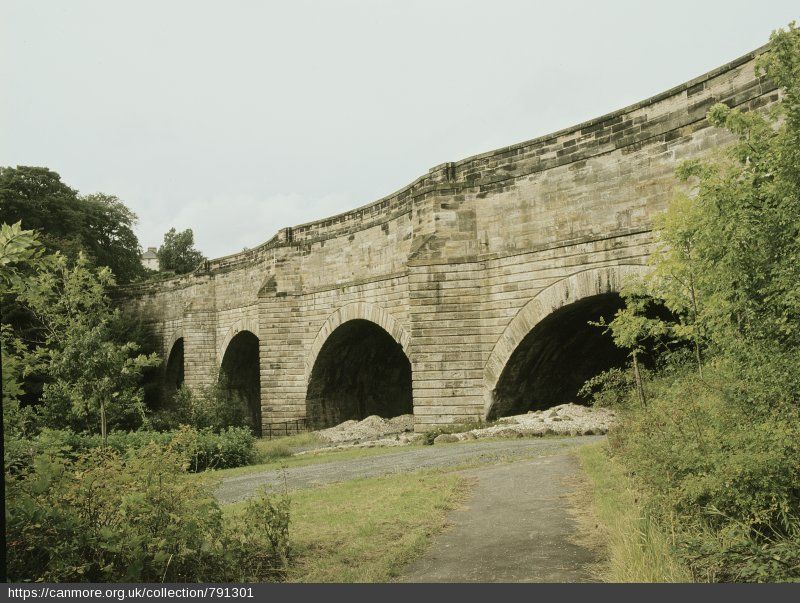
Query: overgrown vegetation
[92, 492]
[712, 436]
[214, 407]
[638, 549]
[200, 449]
[366, 530]
[103, 516]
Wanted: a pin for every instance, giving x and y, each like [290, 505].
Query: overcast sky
[238, 118]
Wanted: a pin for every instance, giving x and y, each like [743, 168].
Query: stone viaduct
[463, 296]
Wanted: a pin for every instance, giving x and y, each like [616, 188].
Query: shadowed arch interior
[359, 371]
[240, 374]
[557, 357]
[174, 370]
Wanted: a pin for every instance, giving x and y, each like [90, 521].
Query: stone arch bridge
[463, 296]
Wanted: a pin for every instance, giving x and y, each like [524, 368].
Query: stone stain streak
[459, 269]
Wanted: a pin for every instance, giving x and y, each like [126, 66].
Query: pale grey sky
[238, 118]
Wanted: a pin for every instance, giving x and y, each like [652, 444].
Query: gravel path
[234, 489]
[514, 527]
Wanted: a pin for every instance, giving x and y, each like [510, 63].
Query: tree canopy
[178, 253]
[99, 225]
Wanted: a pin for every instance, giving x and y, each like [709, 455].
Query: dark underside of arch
[557, 357]
[360, 371]
[174, 370]
[241, 374]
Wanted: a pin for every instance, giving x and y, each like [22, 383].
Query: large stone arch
[243, 324]
[240, 374]
[584, 284]
[355, 311]
[358, 366]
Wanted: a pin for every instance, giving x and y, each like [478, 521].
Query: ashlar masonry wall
[459, 265]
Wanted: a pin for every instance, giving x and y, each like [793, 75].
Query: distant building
[150, 258]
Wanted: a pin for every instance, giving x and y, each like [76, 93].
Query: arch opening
[174, 369]
[240, 376]
[360, 371]
[557, 356]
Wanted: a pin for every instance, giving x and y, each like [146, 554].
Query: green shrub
[725, 477]
[202, 449]
[213, 407]
[715, 444]
[103, 517]
[611, 388]
[231, 447]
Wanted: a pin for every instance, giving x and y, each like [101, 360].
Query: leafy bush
[200, 449]
[108, 517]
[213, 407]
[727, 480]
[610, 388]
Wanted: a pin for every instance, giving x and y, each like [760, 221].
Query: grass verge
[638, 550]
[278, 448]
[366, 530]
[284, 462]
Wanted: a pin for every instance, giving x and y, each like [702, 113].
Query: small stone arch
[591, 282]
[170, 341]
[173, 367]
[359, 310]
[244, 324]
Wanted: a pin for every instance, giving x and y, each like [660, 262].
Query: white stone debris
[565, 419]
[370, 429]
[374, 431]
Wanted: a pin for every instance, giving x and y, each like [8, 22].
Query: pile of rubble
[566, 419]
[374, 431]
[370, 429]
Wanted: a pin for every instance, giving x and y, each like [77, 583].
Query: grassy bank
[638, 550]
[366, 530]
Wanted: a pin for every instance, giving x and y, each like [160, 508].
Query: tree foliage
[100, 225]
[729, 263]
[718, 446]
[177, 253]
[91, 377]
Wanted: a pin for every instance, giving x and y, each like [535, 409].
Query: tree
[729, 262]
[178, 253]
[99, 225]
[91, 378]
[17, 248]
[717, 448]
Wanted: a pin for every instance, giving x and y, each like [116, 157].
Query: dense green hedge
[200, 448]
